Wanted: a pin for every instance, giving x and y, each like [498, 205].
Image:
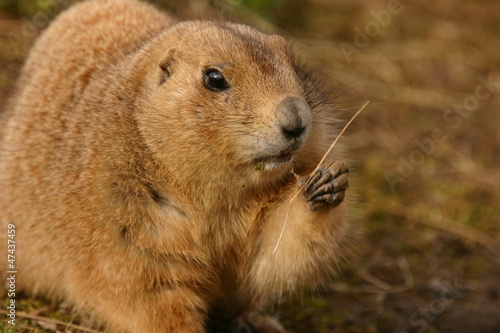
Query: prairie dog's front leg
[315, 229]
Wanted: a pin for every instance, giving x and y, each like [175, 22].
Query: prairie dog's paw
[261, 323]
[326, 187]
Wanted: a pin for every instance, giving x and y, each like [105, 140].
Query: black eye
[214, 80]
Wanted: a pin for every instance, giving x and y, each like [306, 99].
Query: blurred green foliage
[264, 7]
[28, 8]
[9, 5]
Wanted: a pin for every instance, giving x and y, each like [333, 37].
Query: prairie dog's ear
[166, 65]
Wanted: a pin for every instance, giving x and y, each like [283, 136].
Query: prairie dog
[148, 164]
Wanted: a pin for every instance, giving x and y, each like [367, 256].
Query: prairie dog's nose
[294, 117]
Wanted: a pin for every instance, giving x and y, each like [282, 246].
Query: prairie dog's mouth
[268, 163]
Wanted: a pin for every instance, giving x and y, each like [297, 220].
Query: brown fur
[134, 188]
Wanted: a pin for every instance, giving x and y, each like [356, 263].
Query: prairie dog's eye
[214, 80]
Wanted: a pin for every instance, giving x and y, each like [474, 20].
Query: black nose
[294, 117]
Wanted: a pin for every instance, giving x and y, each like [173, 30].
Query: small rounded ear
[167, 65]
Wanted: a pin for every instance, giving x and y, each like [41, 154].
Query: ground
[425, 152]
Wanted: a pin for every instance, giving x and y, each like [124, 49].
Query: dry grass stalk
[316, 169]
[377, 285]
[51, 320]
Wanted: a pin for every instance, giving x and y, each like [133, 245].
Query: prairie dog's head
[224, 96]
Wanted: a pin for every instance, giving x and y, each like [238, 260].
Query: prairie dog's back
[43, 125]
[88, 37]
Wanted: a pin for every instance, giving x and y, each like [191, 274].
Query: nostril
[292, 132]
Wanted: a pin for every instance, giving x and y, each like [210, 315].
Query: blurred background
[425, 152]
